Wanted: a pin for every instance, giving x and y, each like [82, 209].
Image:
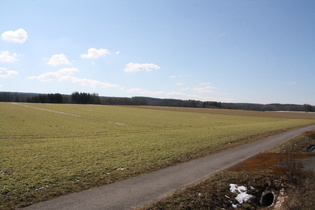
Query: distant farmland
[49, 150]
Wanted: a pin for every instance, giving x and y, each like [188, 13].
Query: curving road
[150, 187]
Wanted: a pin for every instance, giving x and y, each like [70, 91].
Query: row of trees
[269, 107]
[212, 104]
[123, 101]
[46, 98]
[75, 98]
[147, 101]
[87, 98]
[15, 96]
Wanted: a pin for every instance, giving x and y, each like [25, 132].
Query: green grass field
[48, 150]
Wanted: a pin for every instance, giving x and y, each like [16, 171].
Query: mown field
[48, 150]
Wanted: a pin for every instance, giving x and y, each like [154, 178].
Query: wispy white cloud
[58, 59]
[48, 76]
[18, 36]
[5, 56]
[68, 71]
[133, 67]
[65, 75]
[61, 75]
[179, 83]
[178, 76]
[205, 83]
[92, 83]
[218, 37]
[95, 53]
[4, 73]
[207, 89]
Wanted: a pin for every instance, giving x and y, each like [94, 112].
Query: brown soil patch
[267, 162]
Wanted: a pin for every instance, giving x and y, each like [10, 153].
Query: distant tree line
[46, 98]
[269, 107]
[123, 101]
[75, 98]
[212, 104]
[147, 101]
[85, 98]
[94, 98]
[15, 96]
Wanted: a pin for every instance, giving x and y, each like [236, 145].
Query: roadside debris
[242, 196]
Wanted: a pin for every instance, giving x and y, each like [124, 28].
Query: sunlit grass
[42, 150]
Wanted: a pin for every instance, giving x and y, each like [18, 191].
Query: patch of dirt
[269, 162]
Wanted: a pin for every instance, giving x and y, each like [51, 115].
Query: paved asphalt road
[150, 187]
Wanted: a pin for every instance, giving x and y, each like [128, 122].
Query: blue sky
[212, 50]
